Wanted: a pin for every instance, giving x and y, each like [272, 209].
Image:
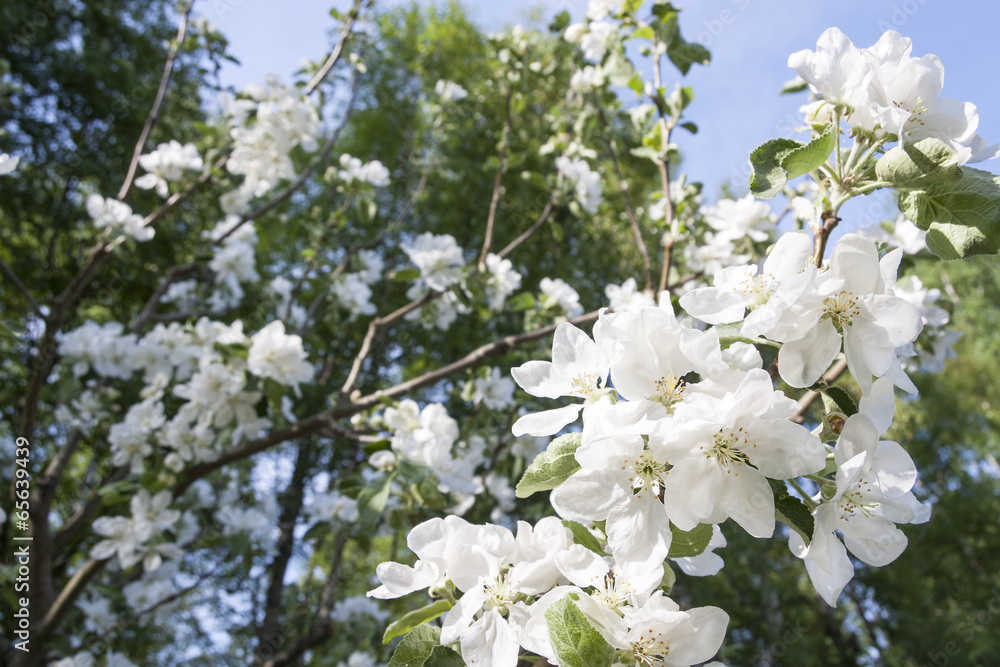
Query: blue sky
[737, 105]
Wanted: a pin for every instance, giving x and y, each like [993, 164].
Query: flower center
[855, 502]
[842, 308]
[648, 473]
[499, 593]
[668, 391]
[757, 289]
[611, 593]
[587, 386]
[728, 449]
[651, 649]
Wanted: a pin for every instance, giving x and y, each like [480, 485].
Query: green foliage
[575, 640]
[414, 619]
[552, 467]
[422, 648]
[962, 216]
[791, 511]
[687, 543]
[777, 161]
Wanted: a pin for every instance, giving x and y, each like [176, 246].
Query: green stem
[806, 498]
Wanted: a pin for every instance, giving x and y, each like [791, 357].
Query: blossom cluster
[509, 582]
[887, 92]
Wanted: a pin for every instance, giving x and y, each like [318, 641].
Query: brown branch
[178, 197]
[147, 314]
[337, 50]
[810, 396]
[497, 183]
[542, 219]
[290, 508]
[22, 288]
[630, 212]
[154, 113]
[821, 234]
[343, 410]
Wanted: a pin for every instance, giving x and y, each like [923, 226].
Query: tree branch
[337, 50]
[497, 183]
[154, 113]
[9, 272]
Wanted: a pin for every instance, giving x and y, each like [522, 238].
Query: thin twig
[337, 50]
[154, 113]
[22, 288]
[807, 399]
[497, 183]
[630, 212]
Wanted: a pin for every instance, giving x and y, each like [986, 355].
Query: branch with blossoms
[755, 385]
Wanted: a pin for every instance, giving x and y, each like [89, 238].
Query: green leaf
[647, 153]
[686, 544]
[522, 301]
[415, 618]
[962, 217]
[417, 648]
[683, 54]
[372, 499]
[791, 511]
[843, 400]
[584, 537]
[636, 84]
[575, 640]
[804, 159]
[405, 275]
[918, 165]
[795, 85]
[443, 656]
[690, 127]
[669, 578]
[768, 177]
[560, 22]
[552, 467]
[645, 32]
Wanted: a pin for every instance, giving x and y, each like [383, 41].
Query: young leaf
[962, 217]
[669, 578]
[552, 467]
[584, 537]
[795, 85]
[686, 544]
[768, 176]
[791, 511]
[804, 159]
[372, 499]
[414, 619]
[417, 647]
[683, 54]
[843, 400]
[575, 640]
[918, 164]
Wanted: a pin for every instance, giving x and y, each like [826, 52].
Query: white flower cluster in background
[352, 169]
[167, 163]
[283, 120]
[117, 216]
[428, 437]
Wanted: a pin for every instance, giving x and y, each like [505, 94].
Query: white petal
[802, 362]
[545, 423]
